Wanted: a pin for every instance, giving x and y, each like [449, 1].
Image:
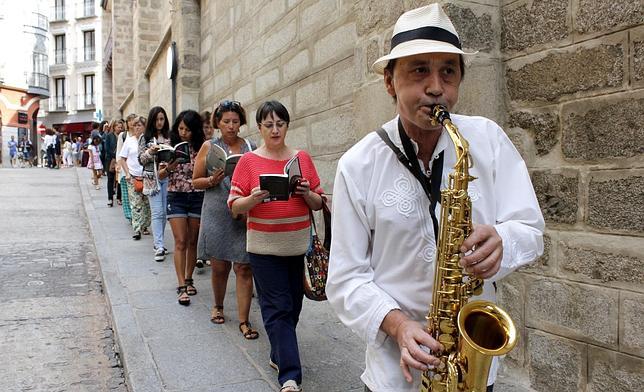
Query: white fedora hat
[422, 30]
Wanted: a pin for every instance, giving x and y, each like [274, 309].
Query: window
[39, 74]
[59, 51]
[88, 42]
[88, 9]
[89, 99]
[59, 10]
[59, 99]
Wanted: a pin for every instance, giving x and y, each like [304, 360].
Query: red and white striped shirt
[280, 228]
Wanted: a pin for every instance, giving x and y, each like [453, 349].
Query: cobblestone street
[54, 320]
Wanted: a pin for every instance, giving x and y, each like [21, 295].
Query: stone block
[553, 75]
[372, 107]
[279, 40]
[235, 71]
[222, 80]
[223, 50]
[511, 298]
[326, 167]
[317, 15]
[600, 16]
[474, 25]
[558, 195]
[372, 53]
[313, 96]
[586, 136]
[638, 61]
[480, 94]
[616, 201]
[333, 131]
[556, 361]
[244, 94]
[266, 82]
[609, 371]
[544, 263]
[631, 333]
[543, 126]
[297, 135]
[375, 15]
[581, 312]
[342, 76]
[337, 45]
[270, 15]
[297, 67]
[617, 261]
[527, 24]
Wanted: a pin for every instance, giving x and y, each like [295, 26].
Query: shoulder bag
[316, 259]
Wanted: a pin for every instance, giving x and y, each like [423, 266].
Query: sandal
[248, 332]
[146, 231]
[290, 386]
[119, 202]
[190, 287]
[183, 296]
[217, 314]
[110, 203]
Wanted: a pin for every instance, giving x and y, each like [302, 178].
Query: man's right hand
[410, 335]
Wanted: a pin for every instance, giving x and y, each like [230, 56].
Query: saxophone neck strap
[431, 186]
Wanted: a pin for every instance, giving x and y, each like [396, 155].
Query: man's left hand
[486, 248]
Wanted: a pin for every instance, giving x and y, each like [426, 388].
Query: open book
[281, 186]
[180, 153]
[218, 159]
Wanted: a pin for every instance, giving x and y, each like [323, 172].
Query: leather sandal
[247, 331]
[190, 286]
[217, 315]
[183, 299]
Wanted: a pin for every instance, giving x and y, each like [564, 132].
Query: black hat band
[428, 32]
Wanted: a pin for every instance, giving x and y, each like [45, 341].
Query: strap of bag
[431, 186]
[326, 215]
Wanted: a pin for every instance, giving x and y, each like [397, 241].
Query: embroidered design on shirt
[404, 196]
[473, 192]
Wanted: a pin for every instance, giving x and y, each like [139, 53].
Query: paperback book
[281, 186]
[218, 159]
[179, 153]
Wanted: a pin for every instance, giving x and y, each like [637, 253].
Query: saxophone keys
[447, 341]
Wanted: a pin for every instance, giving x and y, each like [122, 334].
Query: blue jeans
[158, 205]
[280, 292]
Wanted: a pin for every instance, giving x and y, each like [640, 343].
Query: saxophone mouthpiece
[440, 113]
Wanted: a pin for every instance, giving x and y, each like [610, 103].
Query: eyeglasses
[278, 124]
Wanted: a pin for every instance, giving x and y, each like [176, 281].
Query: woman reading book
[222, 237]
[184, 202]
[278, 234]
[157, 132]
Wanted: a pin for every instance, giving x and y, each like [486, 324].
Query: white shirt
[50, 140]
[119, 146]
[383, 246]
[130, 151]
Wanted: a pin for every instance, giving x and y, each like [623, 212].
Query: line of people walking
[225, 220]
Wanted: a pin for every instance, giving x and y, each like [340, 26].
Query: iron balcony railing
[86, 101]
[57, 103]
[38, 80]
[59, 56]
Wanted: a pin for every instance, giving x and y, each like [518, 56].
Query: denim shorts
[184, 204]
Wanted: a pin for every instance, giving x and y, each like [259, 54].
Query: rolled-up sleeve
[519, 221]
[355, 297]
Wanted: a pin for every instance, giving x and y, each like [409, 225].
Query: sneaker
[290, 386]
[166, 251]
[208, 262]
[159, 255]
[199, 263]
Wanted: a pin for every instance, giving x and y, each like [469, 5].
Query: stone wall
[565, 79]
[575, 104]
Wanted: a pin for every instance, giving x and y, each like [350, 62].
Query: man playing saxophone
[386, 208]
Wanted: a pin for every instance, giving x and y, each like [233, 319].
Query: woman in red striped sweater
[278, 234]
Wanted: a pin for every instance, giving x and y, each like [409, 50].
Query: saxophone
[472, 333]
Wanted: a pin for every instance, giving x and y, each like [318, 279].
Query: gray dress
[220, 236]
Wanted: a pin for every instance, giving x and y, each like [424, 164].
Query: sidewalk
[168, 347]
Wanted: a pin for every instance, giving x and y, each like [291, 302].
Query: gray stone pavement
[55, 332]
[168, 347]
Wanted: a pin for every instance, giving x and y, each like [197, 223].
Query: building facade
[564, 78]
[75, 67]
[23, 70]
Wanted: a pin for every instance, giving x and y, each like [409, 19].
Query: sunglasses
[229, 105]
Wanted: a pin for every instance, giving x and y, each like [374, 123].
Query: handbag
[112, 167]
[138, 184]
[316, 259]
